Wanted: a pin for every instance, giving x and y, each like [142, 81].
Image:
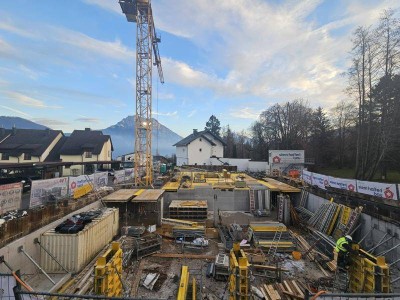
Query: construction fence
[389, 191]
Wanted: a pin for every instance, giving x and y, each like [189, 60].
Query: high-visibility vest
[340, 243]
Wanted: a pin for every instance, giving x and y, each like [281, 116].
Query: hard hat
[348, 237]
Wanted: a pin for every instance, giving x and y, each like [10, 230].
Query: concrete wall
[242, 164]
[181, 156]
[19, 261]
[199, 152]
[236, 200]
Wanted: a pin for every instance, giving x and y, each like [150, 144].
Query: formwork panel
[74, 251]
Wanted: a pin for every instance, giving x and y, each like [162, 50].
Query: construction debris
[150, 280]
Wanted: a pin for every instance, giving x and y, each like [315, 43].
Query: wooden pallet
[288, 289]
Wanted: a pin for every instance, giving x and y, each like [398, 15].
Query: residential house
[85, 146]
[198, 148]
[27, 145]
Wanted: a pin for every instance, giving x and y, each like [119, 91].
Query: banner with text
[79, 181]
[129, 174]
[119, 176]
[307, 176]
[383, 190]
[100, 179]
[320, 180]
[344, 184]
[48, 190]
[10, 197]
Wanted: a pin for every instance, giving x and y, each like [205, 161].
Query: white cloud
[50, 122]
[28, 101]
[29, 72]
[110, 5]
[166, 96]
[192, 113]
[245, 113]
[9, 27]
[15, 110]
[167, 114]
[88, 120]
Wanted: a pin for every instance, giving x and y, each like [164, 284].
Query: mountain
[9, 122]
[122, 135]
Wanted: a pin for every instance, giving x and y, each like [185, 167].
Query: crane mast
[140, 11]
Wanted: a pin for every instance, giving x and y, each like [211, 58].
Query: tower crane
[140, 12]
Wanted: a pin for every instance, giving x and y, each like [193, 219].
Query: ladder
[280, 208]
[341, 282]
[252, 202]
[275, 243]
[353, 219]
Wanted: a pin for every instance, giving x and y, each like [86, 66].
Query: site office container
[75, 251]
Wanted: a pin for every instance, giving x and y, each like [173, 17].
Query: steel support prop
[379, 243]
[36, 241]
[363, 238]
[387, 251]
[21, 249]
[355, 229]
[393, 263]
[395, 280]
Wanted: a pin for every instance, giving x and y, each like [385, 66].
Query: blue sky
[70, 64]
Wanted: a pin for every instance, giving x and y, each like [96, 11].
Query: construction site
[207, 231]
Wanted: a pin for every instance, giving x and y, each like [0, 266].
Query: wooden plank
[322, 269]
[270, 268]
[122, 195]
[297, 288]
[287, 288]
[291, 295]
[149, 195]
[272, 292]
[179, 255]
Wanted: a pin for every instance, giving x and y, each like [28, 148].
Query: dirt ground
[169, 269]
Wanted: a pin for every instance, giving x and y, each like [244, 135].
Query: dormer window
[5, 156]
[88, 154]
[27, 156]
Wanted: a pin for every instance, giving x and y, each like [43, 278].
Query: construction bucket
[296, 255]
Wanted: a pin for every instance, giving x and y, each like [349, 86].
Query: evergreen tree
[213, 125]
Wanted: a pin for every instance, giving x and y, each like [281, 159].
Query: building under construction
[204, 235]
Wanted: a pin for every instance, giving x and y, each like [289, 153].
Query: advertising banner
[286, 156]
[320, 180]
[10, 197]
[119, 176]
[307, 176]
[100, 179]
[48, 190]
[344, 184]
[129, 174]
[383, 190]
[78, 182]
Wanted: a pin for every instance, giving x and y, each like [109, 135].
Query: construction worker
[343, 247]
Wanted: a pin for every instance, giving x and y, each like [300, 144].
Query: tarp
[119, 176]
[383, 190]
[10, 197]
[344, 184]
[46, 190]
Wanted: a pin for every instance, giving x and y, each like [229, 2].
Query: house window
[5, 156]
[200, 139]
[200, 149]
[88, 154]
[27, 156]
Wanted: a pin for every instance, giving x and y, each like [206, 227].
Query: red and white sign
[10, 197]
[343, 184]
[286, 156]
[383, 190]
[320, 180]
[307, 176]
[79, 181]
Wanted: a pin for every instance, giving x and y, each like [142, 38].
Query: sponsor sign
[343, 184]
[320, 180]
[286, 156]
[307, 176]
[10, 197]
[119, 176]
[100, 179]
[383, 190]
[82, 191]
[129, 174]
[48, 190]
[78, 182]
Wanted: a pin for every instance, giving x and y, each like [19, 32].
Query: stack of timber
[270, 234]
[188, 209]
[288, 289]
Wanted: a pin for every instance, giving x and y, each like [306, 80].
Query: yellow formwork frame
[368, 273]
[108, 272]
[184, 285]
[238, 274]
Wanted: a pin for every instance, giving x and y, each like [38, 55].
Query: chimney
[87, 129]
[194, 131]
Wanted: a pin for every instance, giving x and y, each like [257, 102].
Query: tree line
[362, 131]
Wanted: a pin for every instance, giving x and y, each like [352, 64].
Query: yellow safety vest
[339, 244]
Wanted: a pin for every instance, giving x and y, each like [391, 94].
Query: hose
[21, 282]
[318, 294]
